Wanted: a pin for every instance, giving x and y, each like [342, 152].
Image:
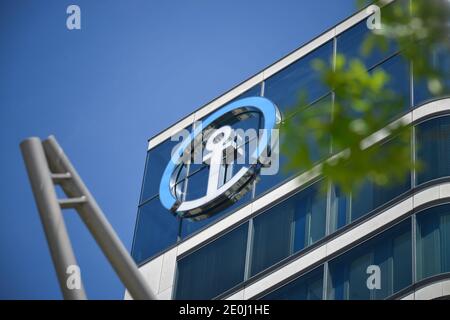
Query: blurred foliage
[364, 106]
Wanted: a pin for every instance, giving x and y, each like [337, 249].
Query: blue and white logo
[219, 142]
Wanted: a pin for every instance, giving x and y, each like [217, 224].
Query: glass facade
[269, 182]
[214, 268]
[313, 213]
[433, 149]
[433, 241]
[299, 78]
[301, 220]
[440, 60]
[364, 199]
[157, 159]
[288, 228]
[350, 45]
[156, 229]
[391, 251]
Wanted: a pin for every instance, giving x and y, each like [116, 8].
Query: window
[285, 87]
[307, 287]
[214, 268]
[365, 198]
[318, 152]
[197, 184]
[288, 227]
[371, 196]
[433, 149]
[397, 68]
[157, 160]
[433, 241]
[156, 229]
[440, 60]
[350, 44]
[391, 251]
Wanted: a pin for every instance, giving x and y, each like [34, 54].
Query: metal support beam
[51, 216]
[71, 202]
[58, 177]
[96, 222]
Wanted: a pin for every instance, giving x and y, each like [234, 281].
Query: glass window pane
[350, 44]
[272, 237]
[288, 227]
[214, 268]
[317, 216]
[390, 251]
[402, 277]
[156, 229]
[391, 101]
[398, 71]
[285, 87]
[371, 196]
[157, 160]
[433, 241]
[197, 184]
[340, 208]
[439, 60]
[366, 197]
[318, 152]
[307, 287]
[433, 149]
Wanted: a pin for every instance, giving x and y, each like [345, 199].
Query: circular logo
[219, 143]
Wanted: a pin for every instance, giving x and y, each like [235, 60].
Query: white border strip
[431, 291]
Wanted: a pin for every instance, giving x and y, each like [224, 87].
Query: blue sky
[134, 68]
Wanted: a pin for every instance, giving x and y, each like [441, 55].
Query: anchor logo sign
[223, 143]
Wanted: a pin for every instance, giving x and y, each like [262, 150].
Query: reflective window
[214, 268]
[371, 196]
[288, 227]
[398, 71]
[440, 60]
[364, 198]
[307, 287]
[391, 251]
[156, 229]
[318, 152]
[393, 100]
[433, 149]
[368, 197]
[197, 184]
[350, 44]
[285, 87]
[433, 241]
[157, 160]
[264, 183]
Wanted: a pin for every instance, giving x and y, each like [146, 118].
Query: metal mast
[48, 165]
